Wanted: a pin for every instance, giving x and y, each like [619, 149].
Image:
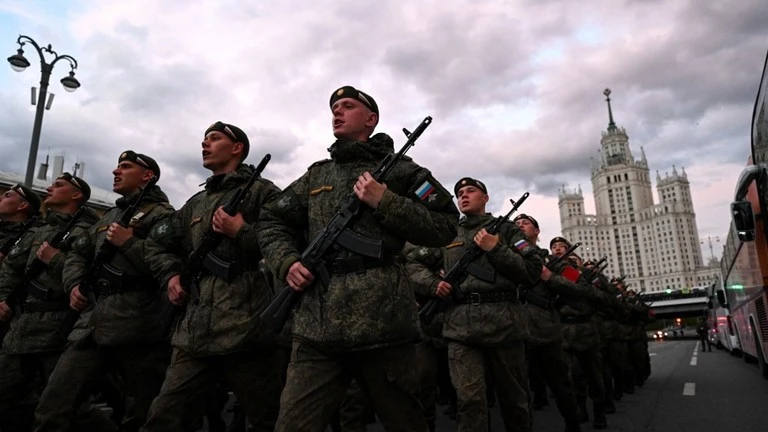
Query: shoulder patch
[320, 162]
[161, 229]
[429, 192]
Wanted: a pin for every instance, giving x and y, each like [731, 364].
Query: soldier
[17, 205]
[15, 412]
[126, 329]
[219, 334]
[487, 330]
[545, 344]
[581, 341]
[360, 323]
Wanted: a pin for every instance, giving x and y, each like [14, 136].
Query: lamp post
[19, 63]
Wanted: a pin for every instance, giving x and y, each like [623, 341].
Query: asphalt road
[714, 392]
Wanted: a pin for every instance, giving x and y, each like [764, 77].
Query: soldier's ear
[486, 198]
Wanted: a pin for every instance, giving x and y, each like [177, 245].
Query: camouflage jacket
[544, 323]
[376, 307]
[141, 313]
[38, 330]
[484, 324]
[8, 230]
[226, 317]
[580, 328]
[420, 261]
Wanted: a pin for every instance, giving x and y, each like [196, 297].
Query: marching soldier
[124, 330]
[361, 322]
[545, 344]
[219, 334]
[582, 344]
[486, 332]
[37, 337]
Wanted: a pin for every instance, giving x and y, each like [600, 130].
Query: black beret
[78, 183]
[351, 92]
[232, 131]
[525, 216]
[559, 240]
[469, 181]
[29, 196]
[140, 159]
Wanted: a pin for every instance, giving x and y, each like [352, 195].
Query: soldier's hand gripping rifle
[108, 250]
[203, 257]
[19, 294]
[8, 245]
[458, 271]
[336, 231]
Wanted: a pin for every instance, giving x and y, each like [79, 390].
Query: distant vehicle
[745, 255]
[721, 329]
[658, 335]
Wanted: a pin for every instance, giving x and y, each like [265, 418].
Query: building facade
[656, 245]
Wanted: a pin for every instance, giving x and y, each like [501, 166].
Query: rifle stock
[314, 256]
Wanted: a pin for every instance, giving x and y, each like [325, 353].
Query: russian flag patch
[425, 190]
[521, 244]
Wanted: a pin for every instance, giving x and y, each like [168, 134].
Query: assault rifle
[554, 263]
[203, 257]
[19, 294]
[8, 245]
[458, 271]
[335, 233]
[108, 250]
[567, 271]
[589, 274]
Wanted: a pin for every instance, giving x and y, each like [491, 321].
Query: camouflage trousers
[22, 379]
[586, 369]
[552, 364]
[355, 411]
[507, 368]
[317, 382]
[254, 376]
[80, 370]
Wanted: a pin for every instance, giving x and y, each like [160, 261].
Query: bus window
[744, 220]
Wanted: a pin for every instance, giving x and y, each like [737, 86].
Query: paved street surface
[714, 392]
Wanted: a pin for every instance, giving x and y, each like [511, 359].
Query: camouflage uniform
[613, 348]
[582, 345]
[8, 231]
[363, 323]
[37, 337]
[220, 334]
[486, 334]
[545, 345]
[126, 330]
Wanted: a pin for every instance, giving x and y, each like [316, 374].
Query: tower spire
[611, 124]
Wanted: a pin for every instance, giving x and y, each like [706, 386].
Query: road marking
[689, 389]
[652, 354]
[694, 360]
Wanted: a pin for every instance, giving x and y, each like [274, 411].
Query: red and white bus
[745, 257]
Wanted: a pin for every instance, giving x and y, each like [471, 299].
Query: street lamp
[19, 63]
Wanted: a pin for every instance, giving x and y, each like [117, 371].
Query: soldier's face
[219, 150]
[129, 177]
[471, 200]
[528, 228]
[60, 192]
[558, 249]
[11, 203]
[352, 120]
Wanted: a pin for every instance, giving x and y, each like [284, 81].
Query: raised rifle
[8, 245]
[19, 294]
[203, 257]
[335, 233]
[458, 271]
[566, 271]
[108, 250]
[589, 274]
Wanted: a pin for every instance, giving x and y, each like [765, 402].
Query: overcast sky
[515, 87]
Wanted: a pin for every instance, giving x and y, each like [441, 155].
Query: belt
[128, 283]
[476, 298]
[45, 307]
[575, 319]
[542, 301]
[358, 264]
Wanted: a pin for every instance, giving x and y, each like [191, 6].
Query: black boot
[598, 411]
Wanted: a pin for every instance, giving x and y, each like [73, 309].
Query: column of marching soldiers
[394, 303]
